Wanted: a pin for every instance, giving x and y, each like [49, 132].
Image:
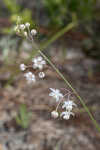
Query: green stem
[54, 38]
[42, 47]
[51, 40]
[74, 91]
[59, 34]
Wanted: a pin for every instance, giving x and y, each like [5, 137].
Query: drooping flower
[27, 24]
[68, 105]
[54, 114]
[41, 74]
[33, 32]
[55, 93]
[30, 77]
[22, 26]
[38, 62]
[66, 114]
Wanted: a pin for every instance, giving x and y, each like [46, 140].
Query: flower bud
[27, 24]
[25, 34]
[22, 67]
[41, 74]
[54, 114]
[33, 32]
[22, 26]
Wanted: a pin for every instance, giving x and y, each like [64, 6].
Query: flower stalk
[73, 90]
[59, 34]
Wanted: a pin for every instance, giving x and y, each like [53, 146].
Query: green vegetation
[23, 119]
[16, 10]
[61, 11]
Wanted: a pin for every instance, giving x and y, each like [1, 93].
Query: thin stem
[59, 34]
[42, 47]
[60, 101]
[74, 91]
[51, 40]
[65, 80]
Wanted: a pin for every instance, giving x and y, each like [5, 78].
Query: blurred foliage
[8, 47]
[56, 10]
[12, 43]
[91, 47]
[60, 11]
[23, 118]
[91, 44]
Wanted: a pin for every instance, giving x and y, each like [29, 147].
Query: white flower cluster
[22, 67]
[65, 104]
[39, 63]
[30, 77]
[24, 29]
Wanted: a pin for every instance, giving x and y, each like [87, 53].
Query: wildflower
[54, 114]
[68, 105]
[38, 62]
[33, 32]
[22, 67]
[25, 34]
[66, 114]
[41, 74]
[30, 77]
[56, 94]
[27, 24]
[22, 26]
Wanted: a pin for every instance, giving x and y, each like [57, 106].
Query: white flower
[27, 24]
[66, 115]
[33, 32]
[68, 105]
[30, 77]
[54, 114]
[22, 26]
[56, 94]
[41, 74]
[38, 62]
[25, 34]
[22, 67]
